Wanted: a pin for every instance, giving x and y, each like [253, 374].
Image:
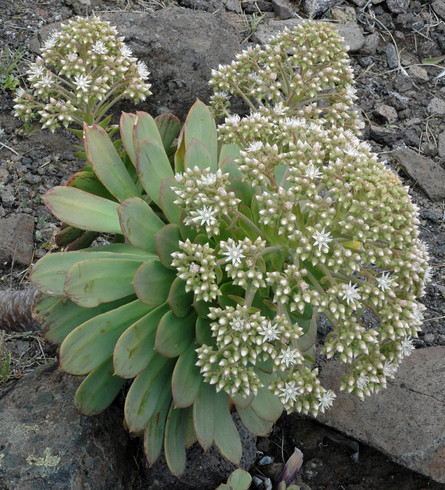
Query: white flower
[407, 347]
[82, 82]
[207, 180]
[234, 252]
[19, 93]
[385, 282]
[322, 238]
[269, 331]
[326, 400]
[51, 40]
[126, 51]
[351, 92]
[35, 71]
[194, 268]
[238, 324]
[143, 70]
[280, 109]
[289, 356]
[389, 369]
[350, 293]
[312, 172]
[99, 48]
[255, 146]
[233, 119]
[289, 392]
[362, 382]
[206, 215]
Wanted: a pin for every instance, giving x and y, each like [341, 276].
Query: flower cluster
[84, 70]
[322, 228]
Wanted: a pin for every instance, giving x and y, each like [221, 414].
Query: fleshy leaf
[168, 126]
[146, 127]
[145, 392]
[239, 480]
[139, 223]
[87, 181]
[203, 332]
[107, 163]
[152, 282]
[253, 423]
[83, 210]
[189, 427]
[167, 241]
[204, 415]
[98, 389]
[186, 378]
[136, 346]
[265, 404]
[197, 154]
[243, 402]
[153, 166]
[92, 282]
[227, 438]
[179, 300]
[127, 124]
[174, 441]
[92, 342]
[174, 334]
[167, 198]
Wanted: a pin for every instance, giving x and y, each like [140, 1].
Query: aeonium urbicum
[84, 69]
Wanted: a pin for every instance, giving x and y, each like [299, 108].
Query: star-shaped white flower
[269, 331]
[389, 369]
[312, 172]
[238, 324]
[194, 268]
[289, 356]
[255, 146]
[407, 347]
[385, 282]
[350, 293]
[289, 392]
[99, 47]
[82, 82]
[206, 215]
[326, 400]
[233, 252]
[322, 238]
[35, 71]
[126, 52]
[143, 70]
[362, 382]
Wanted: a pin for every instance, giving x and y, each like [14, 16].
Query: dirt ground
[32, 161]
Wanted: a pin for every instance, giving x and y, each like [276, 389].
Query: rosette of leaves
[120, 311]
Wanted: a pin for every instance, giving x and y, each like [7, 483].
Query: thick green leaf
[203, 332]
[139, 223]
[189, 427]
[168, 126]
[152, 282]
[202, 308]
[179, 300]
[253, 423]
[167, 198]
[200, 124]
[48, 275]
[197, 154]
[231, 150]
[92, 342]
[92, 282]
[87, 181]
[180, 153]
[174, 441]
[239, 480]
[146, 127]
[68, 235]
[186, 378]
[174, 334]
[83, 210]
[136, 346]
[242, 402]
[229, 166]
[98, 389]
[107, 164]
[153, 165]
[127, 124]
[265, 404]
[167, 241]
[145, 392]
[204, 415]
[307, 341]
[64, 316]
[226, 437]
[84, 241]
[186, 230]
[154, 433]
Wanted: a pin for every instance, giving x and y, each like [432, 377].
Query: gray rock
[16, 238]
[418, 74]
[439, 8]
[371, 43]
[397, 6]
[383, 135]
[180, 47]
[45, 444]
[203, 469]
[282, 9]
[351, 33]
[427, 174]
[83, 7]
[436, 106]
[232, 5]
[404, 421]
[441, 144]
[256, 6]
[360, 3]
[387, 112]
[315, 8]
[391, 56]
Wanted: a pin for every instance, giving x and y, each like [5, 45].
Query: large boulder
[406, 421]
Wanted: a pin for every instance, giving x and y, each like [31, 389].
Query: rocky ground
[399, 61]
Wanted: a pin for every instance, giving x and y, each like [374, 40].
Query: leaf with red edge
[167, 241]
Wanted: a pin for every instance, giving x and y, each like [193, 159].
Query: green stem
[248, 222]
